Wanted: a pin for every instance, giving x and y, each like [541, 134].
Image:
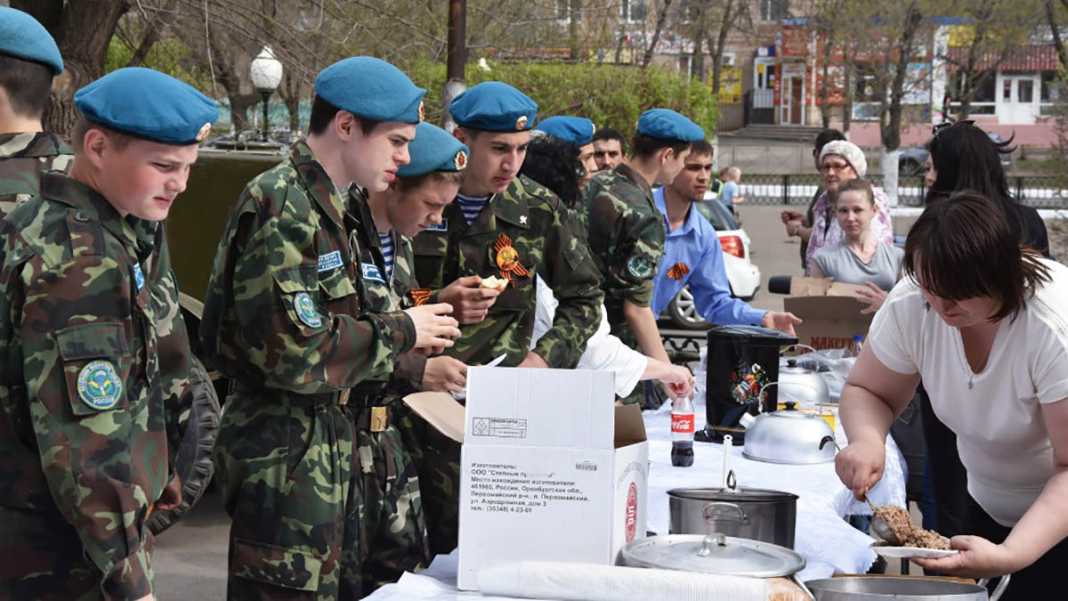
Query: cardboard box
[551, 469]
[830, 310]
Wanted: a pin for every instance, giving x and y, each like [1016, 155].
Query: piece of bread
[495, 283]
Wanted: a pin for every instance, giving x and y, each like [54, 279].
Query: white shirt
[603, 350]
[996, 413]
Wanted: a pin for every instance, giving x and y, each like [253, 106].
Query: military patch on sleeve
[99, 385]
[639, 267]
[138, 276]
[331, 260]
[439, 227]
[306, 310]
[372, 272]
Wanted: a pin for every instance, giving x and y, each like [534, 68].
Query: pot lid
[733, 495]
[714, 554]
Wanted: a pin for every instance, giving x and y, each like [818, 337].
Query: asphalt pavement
[190, 558]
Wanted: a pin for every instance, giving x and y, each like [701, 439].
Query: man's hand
[781, 321]
[433, 325]
[533, 360]
[445, 374]
[872, 296]
[171, 497]
[469, 299]
[793, 227]
[678, 382]
[788, 216]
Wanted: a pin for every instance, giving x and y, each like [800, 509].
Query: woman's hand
[978, 558]
[860, 466]
[872, 296]
[788, 216]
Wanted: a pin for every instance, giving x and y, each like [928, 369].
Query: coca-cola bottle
[682, 427]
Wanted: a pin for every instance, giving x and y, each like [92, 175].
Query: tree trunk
[82, 30]
[1057, 42]
[574, 13]
[824, 95]
[890, 117]
[725, 24]
[847, 102]
[661, 18]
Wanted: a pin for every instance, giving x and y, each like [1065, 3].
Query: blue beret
[666, 124]
[371, 88]
[148, 104]
[434, 149]
[22, 36]
[577, 131]
[494, 106]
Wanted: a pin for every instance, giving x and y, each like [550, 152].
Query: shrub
[610, 95]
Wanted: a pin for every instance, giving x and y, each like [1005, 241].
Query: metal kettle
[801, 385]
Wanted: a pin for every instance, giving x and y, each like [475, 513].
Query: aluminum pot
[901, 588]
[753, 513]
[789, 437]
[802, 386]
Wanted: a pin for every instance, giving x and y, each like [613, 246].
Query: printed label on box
[499, 427]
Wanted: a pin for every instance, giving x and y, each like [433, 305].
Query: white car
[742, 275]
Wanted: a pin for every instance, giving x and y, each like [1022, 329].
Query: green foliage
[168, 55]
[610, 95]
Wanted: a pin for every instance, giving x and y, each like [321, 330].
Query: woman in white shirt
[985, 324]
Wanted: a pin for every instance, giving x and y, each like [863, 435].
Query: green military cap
[666, 124]
[494, 106]
[148, 104]
[23, 37]
[434, 149]
[371, 88]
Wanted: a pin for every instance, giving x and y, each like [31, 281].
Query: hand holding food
[495, 283]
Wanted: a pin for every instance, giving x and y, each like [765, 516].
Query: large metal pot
[752, 513]
[901, 588]
[789, 437]
[802, 386]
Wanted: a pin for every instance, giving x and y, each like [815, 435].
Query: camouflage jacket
[522, 231]
[95, 354]
[282, 310]
[382, 294]
[24, 158]
[626, 237]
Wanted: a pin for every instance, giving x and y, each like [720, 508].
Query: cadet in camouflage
[29, 59]
[506, 226]
[625, 230]
[286, 318]
[393, 520]
[94, 348]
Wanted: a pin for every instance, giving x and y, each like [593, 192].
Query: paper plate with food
[902, 539]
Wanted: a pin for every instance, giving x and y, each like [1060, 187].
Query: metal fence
[1039, 191]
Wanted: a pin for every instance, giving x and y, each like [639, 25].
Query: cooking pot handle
[999, 589]
[829, 439]
[712, 508]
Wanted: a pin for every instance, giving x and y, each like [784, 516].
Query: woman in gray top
[861, 258]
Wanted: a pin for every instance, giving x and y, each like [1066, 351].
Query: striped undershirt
[471, 206]
[385, 241]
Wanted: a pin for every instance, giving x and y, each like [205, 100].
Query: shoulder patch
[306, 311]
[371, 272]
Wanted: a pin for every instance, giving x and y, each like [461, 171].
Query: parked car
[742, 275]
[913, 160]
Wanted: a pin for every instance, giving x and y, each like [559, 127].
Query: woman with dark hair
[555, 165]
[983, 321]
[963, 157]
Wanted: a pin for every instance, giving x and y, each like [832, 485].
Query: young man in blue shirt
[692, 254]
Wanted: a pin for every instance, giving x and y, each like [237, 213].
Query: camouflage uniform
[84, 293]
[524, 229]
[394, 538]
[284, 321]
[24, 158]
[626, 237]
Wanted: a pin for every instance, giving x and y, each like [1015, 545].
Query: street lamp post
[266, 73]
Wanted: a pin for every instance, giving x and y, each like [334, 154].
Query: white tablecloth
[827, 542]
